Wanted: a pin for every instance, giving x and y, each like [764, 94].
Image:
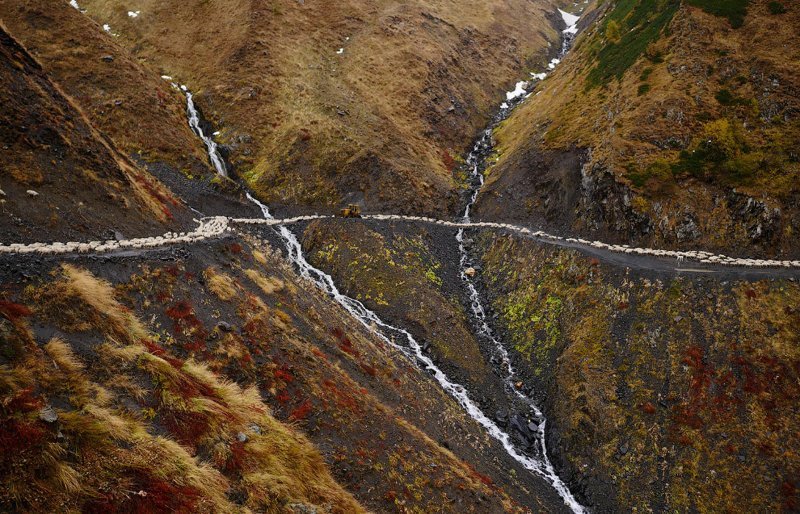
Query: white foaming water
[541, 463]
[414, 351]
[543, 466]
[211, 145]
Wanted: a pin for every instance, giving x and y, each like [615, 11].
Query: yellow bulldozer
[351, 211]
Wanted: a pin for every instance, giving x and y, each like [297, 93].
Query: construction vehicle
[351, 211]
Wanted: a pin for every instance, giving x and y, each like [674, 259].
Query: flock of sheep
[216, 226]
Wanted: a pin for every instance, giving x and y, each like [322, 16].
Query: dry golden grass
[311, 126]
[269, 285]
[99, 295]
[220, 284]
[275, 466]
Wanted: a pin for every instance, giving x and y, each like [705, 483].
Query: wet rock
[224, 326]
[687, 230]
[107, 58]
[48, 414]
[502, 417]
[521, 425]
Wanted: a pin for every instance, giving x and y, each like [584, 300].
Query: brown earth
[85, 187]
[190, 378]
[124, 98]
[694, 145]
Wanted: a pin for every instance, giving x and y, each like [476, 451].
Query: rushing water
[538, 463]
[211, 145]
[414, 351]
[477, 162]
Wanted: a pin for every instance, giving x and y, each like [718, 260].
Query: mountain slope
[80, 185]
[664, 393]
[671, 124]
[382, 122]
[125, 99]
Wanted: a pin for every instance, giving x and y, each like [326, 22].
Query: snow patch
[554, 63]
[74, 4]
[572, 22]
[340, 51]
[539, 76]
[518, 91]
[134, 14]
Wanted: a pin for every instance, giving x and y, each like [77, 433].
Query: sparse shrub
[301, 412]
[776, 8]
[643, 89]
[725, 97]
[13, 311]
[613, 32]
[448, 161]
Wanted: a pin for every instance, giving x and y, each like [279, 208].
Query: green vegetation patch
[725, 97]
[734, 10]
[721, 154]
[776, 8]
[629, 29]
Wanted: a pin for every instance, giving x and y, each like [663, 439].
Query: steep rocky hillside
[671, 124]
[61, 178]
[325, 102]
[125, 99]
[665, 393]
[181, 380]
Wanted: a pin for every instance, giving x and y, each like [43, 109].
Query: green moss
[643, 89]
[657, 177]
[721, 154]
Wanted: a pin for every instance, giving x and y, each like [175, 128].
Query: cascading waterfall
[211, 145]
[414, 351]
[540, 464]
[476, 161]
[543, 465]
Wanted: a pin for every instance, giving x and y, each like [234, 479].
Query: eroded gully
[530, 425]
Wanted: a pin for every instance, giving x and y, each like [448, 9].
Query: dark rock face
[605, 205]
[763, 224]
[563, 194]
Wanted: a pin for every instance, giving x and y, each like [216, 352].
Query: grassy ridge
[632, 25]
[629, 29]
[734, 10]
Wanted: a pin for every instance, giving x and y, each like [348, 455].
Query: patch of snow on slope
[518, 91]
[572, 22]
